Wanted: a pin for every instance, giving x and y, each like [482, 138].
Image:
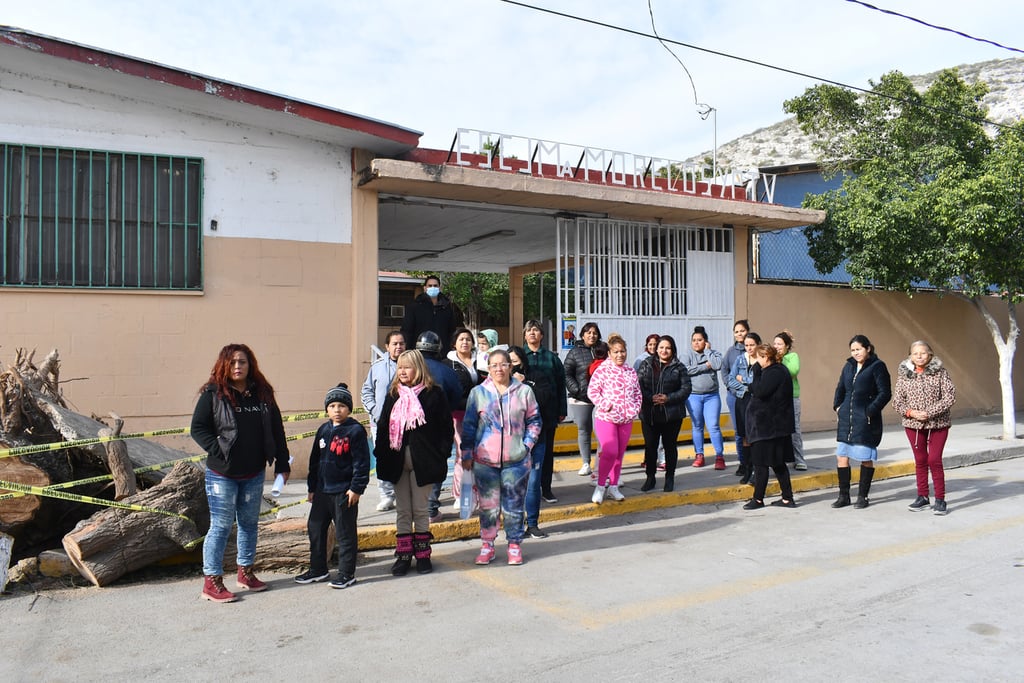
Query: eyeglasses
[495, 366]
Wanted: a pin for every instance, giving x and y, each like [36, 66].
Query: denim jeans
[533, 484]
[705, 409]
[231, 500]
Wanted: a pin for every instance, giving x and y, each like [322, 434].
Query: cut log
[114, 542]
[118, 462]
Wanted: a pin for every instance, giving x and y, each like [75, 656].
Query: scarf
[406, 414]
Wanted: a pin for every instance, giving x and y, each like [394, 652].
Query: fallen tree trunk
[114, 542]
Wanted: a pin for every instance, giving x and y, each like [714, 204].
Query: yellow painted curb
[383, 537]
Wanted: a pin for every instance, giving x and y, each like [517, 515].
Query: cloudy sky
[437, 65]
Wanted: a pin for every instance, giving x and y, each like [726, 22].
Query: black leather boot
[844, 487]
[866, 475]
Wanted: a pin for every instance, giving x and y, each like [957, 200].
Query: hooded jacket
[859, 400]
[497, 429]
[339, 460]
[931, 391]
[703, 378]
[672, 380]
[615, 393]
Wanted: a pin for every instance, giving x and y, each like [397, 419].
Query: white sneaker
[585, 470]
[386, 503]
[598, 496]
[615, 493]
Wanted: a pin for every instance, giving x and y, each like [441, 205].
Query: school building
[152, 215]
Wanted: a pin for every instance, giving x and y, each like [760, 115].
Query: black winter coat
[770, 412]
[431, 443]
[860, 397]
[577, 363]
[342, 462]
[424, 315]
[673, 381]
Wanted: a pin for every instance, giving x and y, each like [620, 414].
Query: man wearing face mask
[431, 311]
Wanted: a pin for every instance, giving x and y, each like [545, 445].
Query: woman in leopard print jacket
[923, 397]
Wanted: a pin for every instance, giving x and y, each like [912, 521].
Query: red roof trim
[233, 92]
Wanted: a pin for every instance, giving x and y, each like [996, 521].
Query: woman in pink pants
[615, 393]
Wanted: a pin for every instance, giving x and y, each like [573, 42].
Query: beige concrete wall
[145, 356]
[823, 319]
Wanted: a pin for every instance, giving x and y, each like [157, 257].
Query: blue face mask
[432, 292]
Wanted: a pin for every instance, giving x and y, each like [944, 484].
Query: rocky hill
[783, 143]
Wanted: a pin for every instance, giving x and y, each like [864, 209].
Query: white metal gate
[642, 278]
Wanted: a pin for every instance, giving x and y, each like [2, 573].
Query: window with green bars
[97, 219]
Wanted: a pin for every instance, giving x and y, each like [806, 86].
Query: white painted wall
[259, 183]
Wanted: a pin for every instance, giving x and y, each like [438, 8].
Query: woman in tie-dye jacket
[499, 430]
[615, 392]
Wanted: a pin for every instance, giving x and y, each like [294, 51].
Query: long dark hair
[863, 341]
[221, 373]
[671, 342]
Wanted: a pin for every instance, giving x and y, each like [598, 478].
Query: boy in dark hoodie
[339, 470]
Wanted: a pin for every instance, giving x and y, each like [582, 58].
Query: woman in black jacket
[665, 386]
[577, 379]
[769, 423]
[863, 390]
[413, 454]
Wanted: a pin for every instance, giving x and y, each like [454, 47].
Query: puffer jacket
[615, 393]
[577, 362]
[859, 400]
[673, 381]
[931, 391]
[497, 429]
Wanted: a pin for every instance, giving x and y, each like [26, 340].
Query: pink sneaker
[515, 554]
[248, 581]
[486, 555]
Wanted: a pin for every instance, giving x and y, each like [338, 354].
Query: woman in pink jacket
[615, 393]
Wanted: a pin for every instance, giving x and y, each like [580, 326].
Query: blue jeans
[705, 409]
[231, 500]
[533, 484]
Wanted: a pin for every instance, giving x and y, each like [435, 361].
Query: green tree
[927, 197]
[477, 293]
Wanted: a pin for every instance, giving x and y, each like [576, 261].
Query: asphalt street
[693, 592]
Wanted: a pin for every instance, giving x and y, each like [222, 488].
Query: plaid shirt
[550, 364]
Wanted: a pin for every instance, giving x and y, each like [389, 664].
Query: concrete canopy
[452, 218]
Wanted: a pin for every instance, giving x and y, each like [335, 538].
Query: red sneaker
[699, 460]
[515, 554]
[486, 555]
[720, 462]
[248, 581]
[213, 589]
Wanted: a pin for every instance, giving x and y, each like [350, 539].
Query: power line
[940, 28]
[747, 60]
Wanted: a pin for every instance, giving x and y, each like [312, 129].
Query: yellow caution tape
[64, 495]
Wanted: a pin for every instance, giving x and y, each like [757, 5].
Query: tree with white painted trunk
[929, 200]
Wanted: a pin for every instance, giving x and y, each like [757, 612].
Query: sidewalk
[970, 442]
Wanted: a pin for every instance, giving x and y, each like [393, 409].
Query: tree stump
[114, 542]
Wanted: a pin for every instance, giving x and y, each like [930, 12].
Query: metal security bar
[96, 219]
[621, 268]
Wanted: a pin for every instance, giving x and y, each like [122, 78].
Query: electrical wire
[747, 60]
[704, 109]
[940, 28]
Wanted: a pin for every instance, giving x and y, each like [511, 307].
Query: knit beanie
[339, 394]
[492, 338]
